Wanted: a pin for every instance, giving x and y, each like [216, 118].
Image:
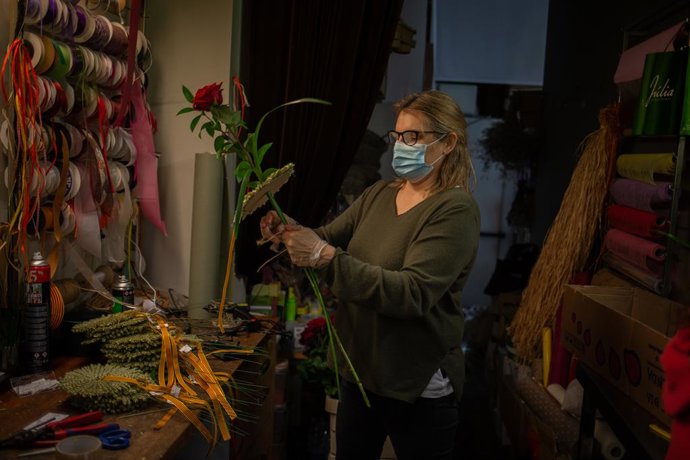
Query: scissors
[115, 439]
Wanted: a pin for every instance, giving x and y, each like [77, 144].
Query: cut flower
[207, 96]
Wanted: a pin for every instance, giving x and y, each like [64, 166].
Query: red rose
[207, 96]
[315, 329]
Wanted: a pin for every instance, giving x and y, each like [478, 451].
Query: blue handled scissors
[115, 439]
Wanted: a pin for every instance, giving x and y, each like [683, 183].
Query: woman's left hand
[304, 246]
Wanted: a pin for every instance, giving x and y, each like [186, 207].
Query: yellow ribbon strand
[190, 416]
[165, 419]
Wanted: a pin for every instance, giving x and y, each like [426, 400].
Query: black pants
[423, 430]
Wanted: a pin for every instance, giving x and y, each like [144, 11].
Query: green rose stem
[332, 333]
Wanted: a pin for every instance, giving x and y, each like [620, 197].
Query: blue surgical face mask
[409, 160]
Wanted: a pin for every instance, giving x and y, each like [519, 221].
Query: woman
[397, 259]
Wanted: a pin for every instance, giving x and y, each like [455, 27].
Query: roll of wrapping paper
[644, 254]
[636, 222]
[652, 282]
[645, 167]
[636, 194]
[611, 447]
[548, 410]
[204, 270]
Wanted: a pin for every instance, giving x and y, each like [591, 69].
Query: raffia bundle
[569, 241]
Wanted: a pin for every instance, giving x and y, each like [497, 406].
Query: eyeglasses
[408, 137]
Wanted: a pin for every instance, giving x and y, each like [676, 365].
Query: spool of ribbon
[103, 30]
[636, 194]
[97, 6]
[89, 72]
[85, 102]
[77, 70]
[6, 136]
[57, 307]
[73, 182]
[87, 31]
[58, 99]
[650, 281]
[104, 69]
[73, 20]
[33, 13]
[69, 220]
[62, 64]
[119, 174]
[60, 23]
[51, 14]
[639, 252]
[117, 6]
[41, 50]
[130, 148]
[80, 24]
[646, 167]
[117, 45]
[636, 222]
[45, 180]
[75, 139]
[41, 221]
[69, 97]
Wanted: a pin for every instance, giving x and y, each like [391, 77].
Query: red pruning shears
[78, 424]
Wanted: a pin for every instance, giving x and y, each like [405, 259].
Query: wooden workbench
[16, 412]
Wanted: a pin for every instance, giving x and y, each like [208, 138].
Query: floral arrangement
[315, 368]
[226, 125]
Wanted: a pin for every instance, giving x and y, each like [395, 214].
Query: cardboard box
[620, 332]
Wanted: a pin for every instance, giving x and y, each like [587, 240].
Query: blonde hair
[443, 114]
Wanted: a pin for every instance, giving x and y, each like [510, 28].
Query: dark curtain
[335, 50]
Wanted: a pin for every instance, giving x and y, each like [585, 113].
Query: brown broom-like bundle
[569, 241]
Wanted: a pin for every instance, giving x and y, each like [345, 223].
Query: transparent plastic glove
[304, 246]
[271, 228]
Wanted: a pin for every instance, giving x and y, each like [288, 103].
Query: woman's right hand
[272, 228]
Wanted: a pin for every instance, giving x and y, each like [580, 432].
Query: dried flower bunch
[90, 390]
[111, 327]
[139, 351]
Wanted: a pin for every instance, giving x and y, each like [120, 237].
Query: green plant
[510, 146]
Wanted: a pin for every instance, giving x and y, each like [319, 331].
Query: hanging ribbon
[134, 15]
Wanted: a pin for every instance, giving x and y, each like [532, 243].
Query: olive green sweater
[399, 280]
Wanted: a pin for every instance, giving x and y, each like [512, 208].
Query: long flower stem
[332, 333]
[231, 249]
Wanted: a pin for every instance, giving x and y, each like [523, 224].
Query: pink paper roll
[650, 281]
[644, 254]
